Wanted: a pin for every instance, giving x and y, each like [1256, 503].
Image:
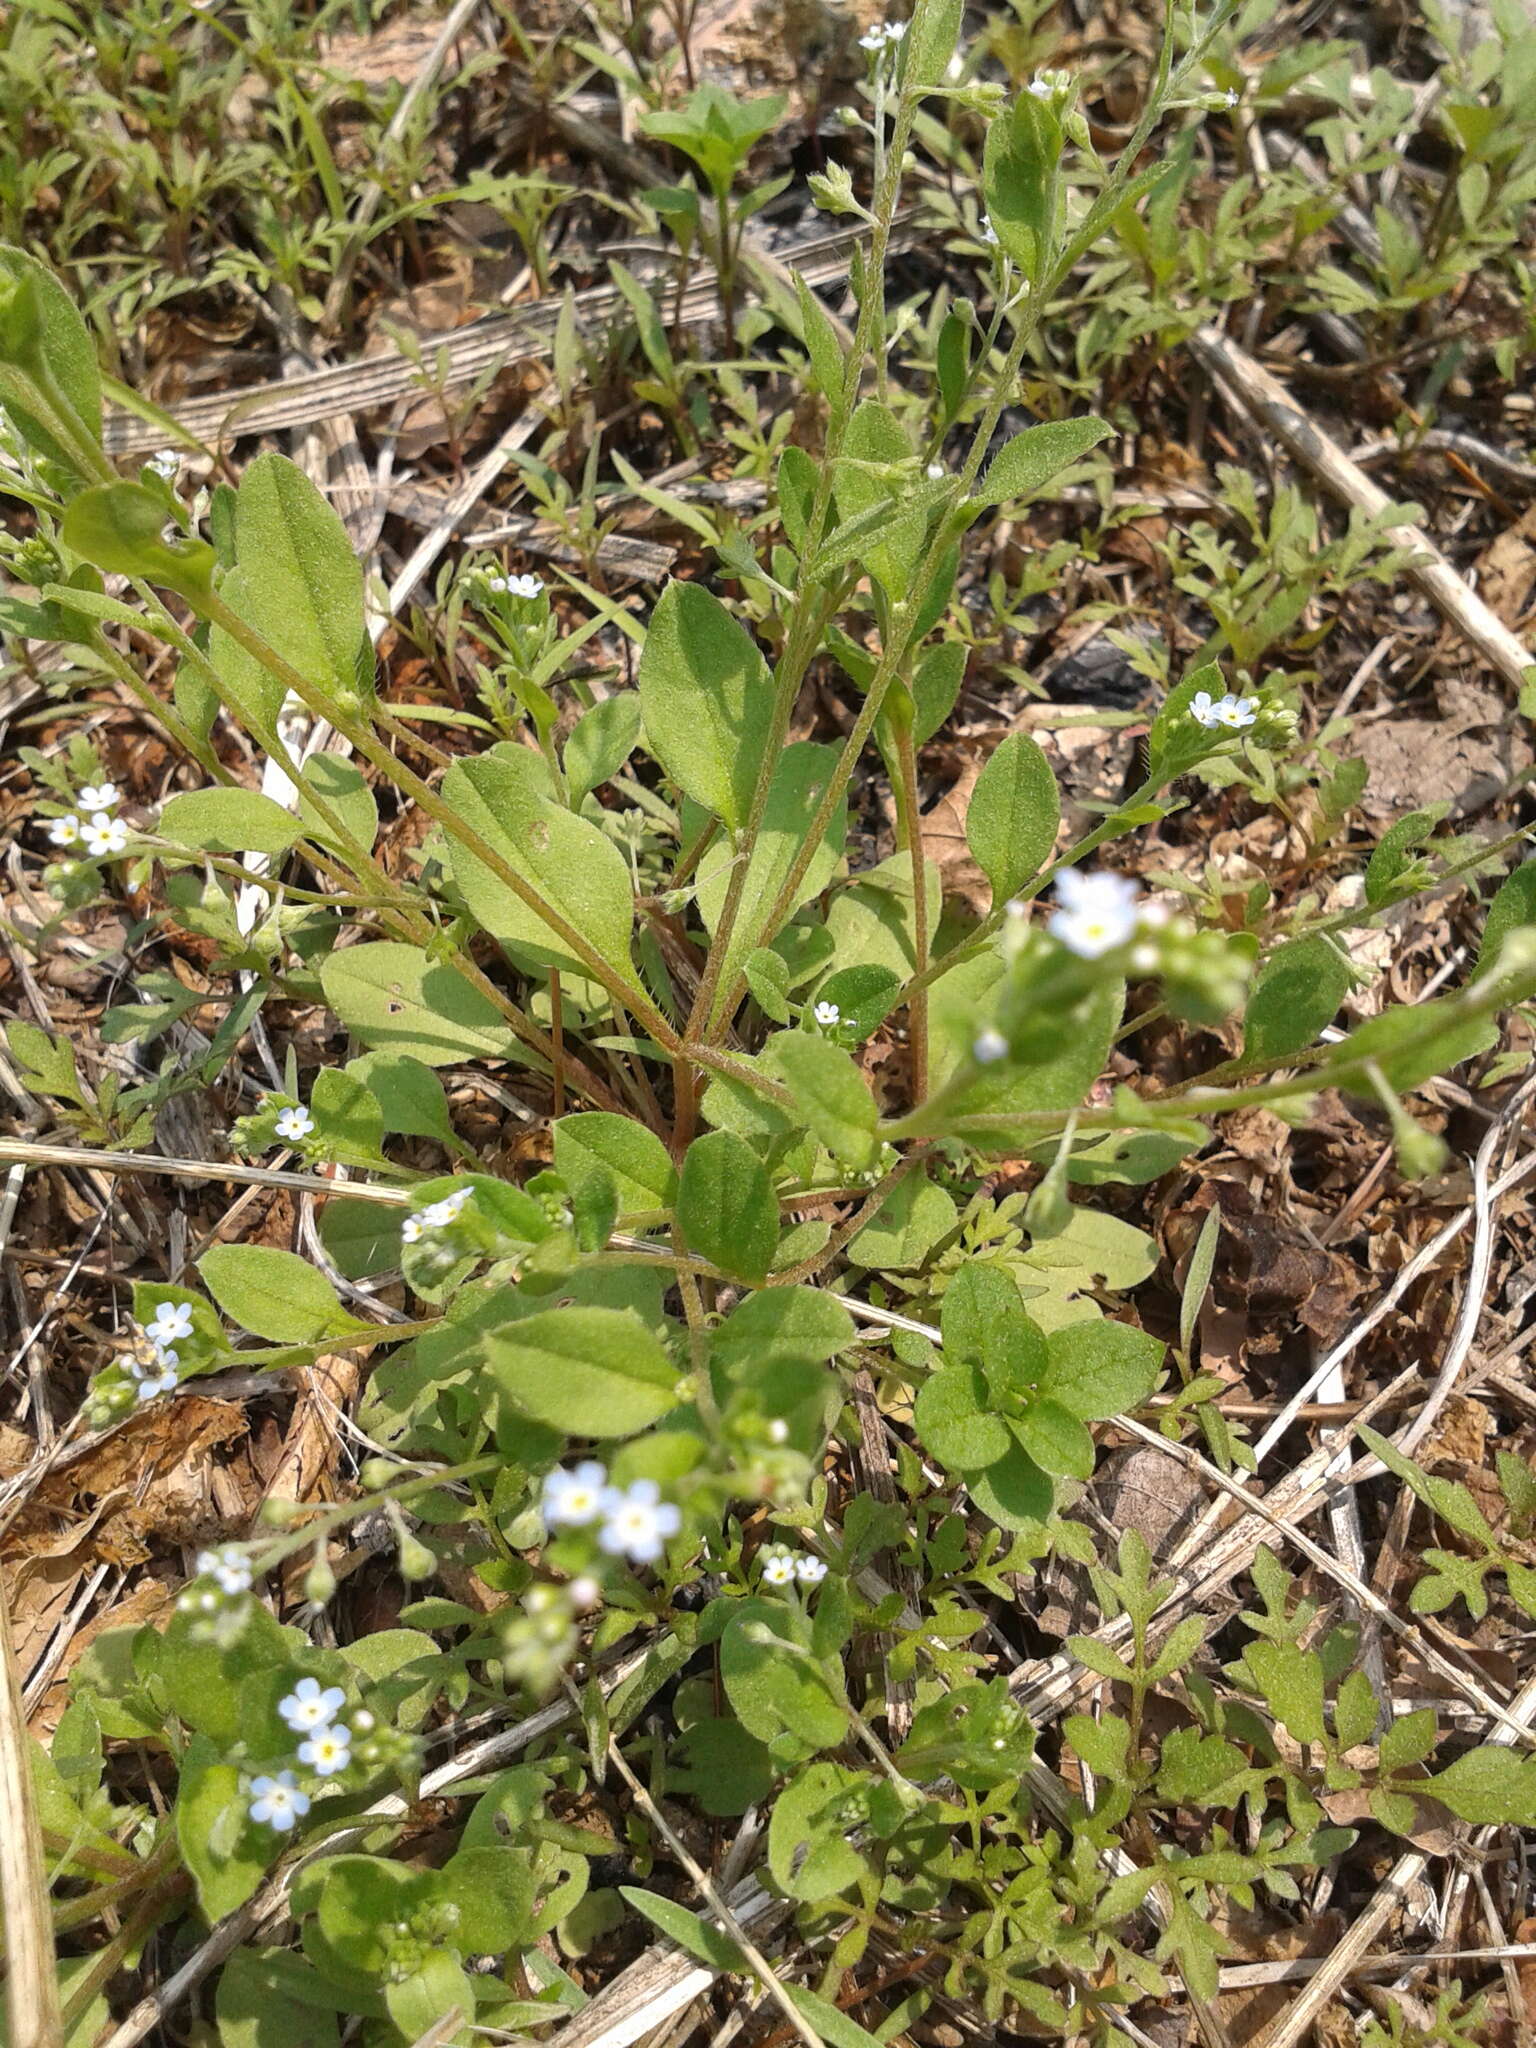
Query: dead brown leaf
[945, 843]
[1506, 571]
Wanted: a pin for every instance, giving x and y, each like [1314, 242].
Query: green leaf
[935, 686]
[933, 47]
[601, 741]
[228, 821]
[808, 1850]
[1391, 863]
[1354, 1711]
[1291, 1681]
[893, 547]
[959, 1000]
[1024, 465]
[820, 336]
[418, 2004]
[46, 355]
[830, 2021]
[865, 995]
[1412, 1043]
[1014, 813]
[694, 1936]
[121, 528]
[1100, 1658]
[1014, 1492]
[783, 1322]
[300, 582]
[1099, 1369]
[348, 1117]
[361, 1901]
[953, 1419]
[223, 1849]
[915, 1216]
[597, 1144]
[767, 975]
[980, 1306]
[726, 1206]
[1487, 1786]
[590, 1371]
[361, 1237]
[341, 786]
[1297, 992]
[727, 1769]
[272, 1998]
[707, 699]
[408, 1093]
[1514, 905]
[1056, 1440]
[796, 490]
[1409, 1740]
[778, 1695]
[799, 781]
[1193, 1768]
[829, 1093]
[1020, 178]
[493, 1887]
[573, 867]
[397, 998]
[275, 1294]
[1197, 1277]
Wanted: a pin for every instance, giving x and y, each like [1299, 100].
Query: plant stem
[910, 831]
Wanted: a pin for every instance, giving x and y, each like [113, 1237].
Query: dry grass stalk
[31, 1982]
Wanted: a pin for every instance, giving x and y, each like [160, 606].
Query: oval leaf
[1013, 817]
[707, 700]
[589, 1371]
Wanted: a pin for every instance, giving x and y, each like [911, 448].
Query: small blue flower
[308, 1707]
[278, 1802]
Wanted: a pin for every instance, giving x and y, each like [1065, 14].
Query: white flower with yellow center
[104, 837]
[1098, 912]
[328, 1750]
[572, 1499]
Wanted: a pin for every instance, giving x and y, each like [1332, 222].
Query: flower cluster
[156, 1373]
[310, 1710]
[1051, 85]
[91, 825]
[1203, 976]
[634, 1521]
[230, 1569]
[515, 586]
[436, 1216]
[782, 1566]
[1232, 712]
[885, 36]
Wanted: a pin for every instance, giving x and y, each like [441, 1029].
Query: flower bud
[319, 1583]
